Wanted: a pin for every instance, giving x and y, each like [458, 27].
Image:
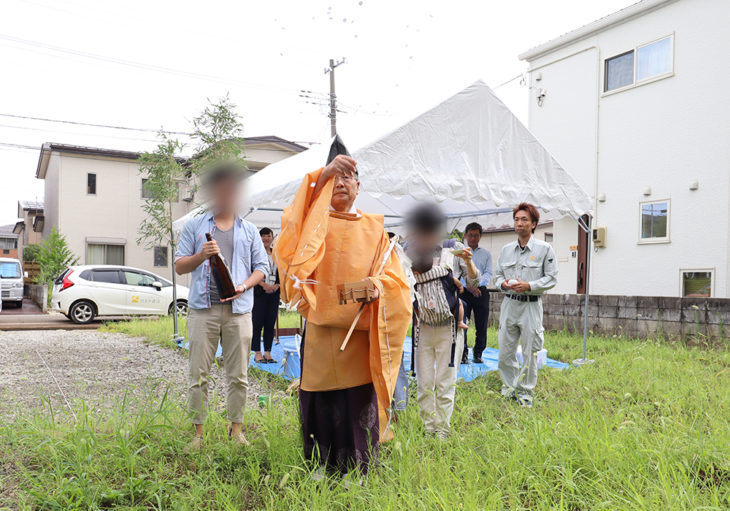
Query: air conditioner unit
[188, 195]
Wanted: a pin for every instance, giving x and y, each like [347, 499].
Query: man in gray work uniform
[526, 268]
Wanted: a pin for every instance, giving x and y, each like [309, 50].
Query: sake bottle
[221, 274]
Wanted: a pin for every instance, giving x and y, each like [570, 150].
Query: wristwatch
[245, 288]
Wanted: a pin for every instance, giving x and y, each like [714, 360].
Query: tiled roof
[6, 231]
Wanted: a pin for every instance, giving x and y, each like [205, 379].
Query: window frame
[712, 273]
[167, 257]
[637, 83]
[141, 192]
[96, 182]
[654, 241]
[105, 245]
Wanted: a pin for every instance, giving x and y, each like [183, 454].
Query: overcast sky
[152, 64]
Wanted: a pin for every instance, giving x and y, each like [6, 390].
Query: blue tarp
[286, 354]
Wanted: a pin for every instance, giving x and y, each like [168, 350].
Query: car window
[9, 270]
[109, 276]
[86, 275]
[134, 278]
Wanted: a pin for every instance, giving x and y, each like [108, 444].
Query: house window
[655, 221]
[654, 59]
[98, 253]
[697, 283]
[619, 71]
[91, 184]
[645, 62]
[549, 237]
[160, 256]
[8, 243]
[146, 193]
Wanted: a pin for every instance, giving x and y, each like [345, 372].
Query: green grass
[160, 330]
[645, 427]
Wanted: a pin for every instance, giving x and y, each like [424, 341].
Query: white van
[11, 276]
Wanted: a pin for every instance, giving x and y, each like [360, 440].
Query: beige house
[29, 227]
[94, 197]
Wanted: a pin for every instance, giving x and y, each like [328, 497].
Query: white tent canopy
[470, 154]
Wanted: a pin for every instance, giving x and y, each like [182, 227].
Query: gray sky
[153, 63]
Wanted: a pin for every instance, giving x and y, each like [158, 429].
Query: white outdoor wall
[662, 135]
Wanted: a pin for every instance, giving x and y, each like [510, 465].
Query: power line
[51, 130]
[79, 123]
[149, 67]
[508, 81]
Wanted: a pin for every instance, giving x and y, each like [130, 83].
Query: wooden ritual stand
[362, 291]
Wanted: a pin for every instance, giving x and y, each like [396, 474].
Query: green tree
[218, 133]
[163, 171]
[54, 256]
[31, 252]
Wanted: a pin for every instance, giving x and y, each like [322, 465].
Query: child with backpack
[437, 316]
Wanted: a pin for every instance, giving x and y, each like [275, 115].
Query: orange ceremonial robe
[318, 249]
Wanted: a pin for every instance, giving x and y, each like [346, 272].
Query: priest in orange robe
[344, 395]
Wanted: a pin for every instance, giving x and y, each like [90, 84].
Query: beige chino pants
[205, 327]
[436, 380]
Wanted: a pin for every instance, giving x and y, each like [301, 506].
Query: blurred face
[420, 250]
[524, 224]
[224, 195]
[472, 238]
[345, 192]
[267, 239]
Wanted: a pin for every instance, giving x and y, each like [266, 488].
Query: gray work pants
[519, 320]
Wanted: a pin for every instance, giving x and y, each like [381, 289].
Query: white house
[636, 106]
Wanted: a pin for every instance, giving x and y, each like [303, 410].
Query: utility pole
[333, 96]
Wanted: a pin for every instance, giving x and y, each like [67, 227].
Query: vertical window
[549, 237]
[91, 184]
[146, 193]
[619, 71]
[160, 256]
[697, 283]
[655, 221]
[98, 253]
[654, 59]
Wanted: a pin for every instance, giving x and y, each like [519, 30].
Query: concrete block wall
[632, 316]
[39, 294]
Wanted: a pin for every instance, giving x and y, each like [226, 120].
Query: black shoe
[477, 360]
[465, 357]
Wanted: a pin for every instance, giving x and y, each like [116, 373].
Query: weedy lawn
[645, 427]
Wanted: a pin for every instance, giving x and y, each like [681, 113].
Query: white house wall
[660, 135]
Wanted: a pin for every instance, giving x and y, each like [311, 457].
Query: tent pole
[584, 360]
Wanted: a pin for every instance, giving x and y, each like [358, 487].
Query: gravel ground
[96, 367]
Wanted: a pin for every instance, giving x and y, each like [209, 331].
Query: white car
[11, 277]
[85, 292]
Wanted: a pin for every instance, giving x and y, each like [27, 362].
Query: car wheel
[82, 312]
[182, 308]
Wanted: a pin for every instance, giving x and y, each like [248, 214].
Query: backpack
[437, 301]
